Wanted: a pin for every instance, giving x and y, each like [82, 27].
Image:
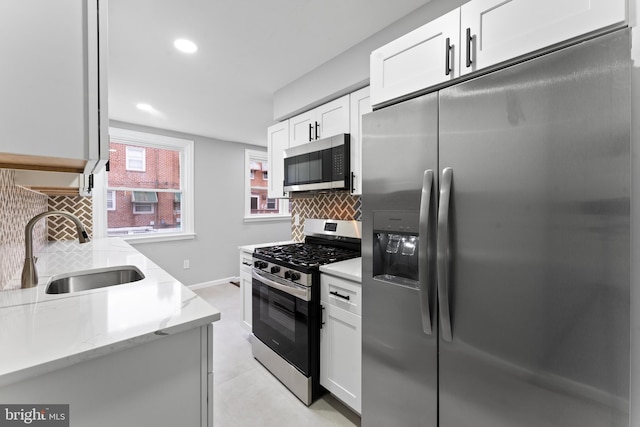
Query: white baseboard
[213, 283]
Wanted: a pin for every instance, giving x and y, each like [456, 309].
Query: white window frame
[129, 156]
[112, 199]
[260, 156]
[149, 140]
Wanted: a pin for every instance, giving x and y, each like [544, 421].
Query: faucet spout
[29, 272]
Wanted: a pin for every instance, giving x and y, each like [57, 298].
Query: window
[143, 208]
[272, 203]
[111, 200]
[136, 159]
[148, 189]
[258, 206]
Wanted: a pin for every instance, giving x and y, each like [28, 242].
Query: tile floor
[245, 393]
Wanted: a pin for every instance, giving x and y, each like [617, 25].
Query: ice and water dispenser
[395, 247]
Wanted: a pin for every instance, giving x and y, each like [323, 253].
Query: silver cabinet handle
[423, 248]
[443, 253]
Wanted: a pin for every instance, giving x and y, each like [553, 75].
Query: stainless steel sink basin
[93, 279]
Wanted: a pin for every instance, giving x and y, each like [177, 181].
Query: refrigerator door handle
[443, 253]
[423, 266]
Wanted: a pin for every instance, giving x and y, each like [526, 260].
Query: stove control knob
[287, 274]
[275, 269]
[260, 264]
[295, 275]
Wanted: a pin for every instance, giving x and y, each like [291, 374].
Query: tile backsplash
[17, 206]
[60, 228]
[331, 205]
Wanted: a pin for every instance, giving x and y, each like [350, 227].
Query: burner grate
[307, 254]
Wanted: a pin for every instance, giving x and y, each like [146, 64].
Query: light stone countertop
[350, 269]
[40, 333]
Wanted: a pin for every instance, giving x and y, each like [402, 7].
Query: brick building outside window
[143, 190]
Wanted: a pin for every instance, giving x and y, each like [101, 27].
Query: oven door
[281, 318]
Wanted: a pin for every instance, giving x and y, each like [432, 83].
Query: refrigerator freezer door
[539, 242]
[399, 366]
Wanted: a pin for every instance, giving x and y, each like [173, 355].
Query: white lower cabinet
[246, 261]
[164, 382]
[341, 340]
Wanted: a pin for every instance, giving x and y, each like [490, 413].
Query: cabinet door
[341, 339]
[50, 87]
[360, 105]
[302, 128]
[277, 142]
[341, 355]
[246, 261]
[494, 31]
[422, 58]
[332, 118]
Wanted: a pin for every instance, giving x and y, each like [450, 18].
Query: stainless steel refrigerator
[496, 247]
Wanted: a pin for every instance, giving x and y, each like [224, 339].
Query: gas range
[297, 262]
[286, 308]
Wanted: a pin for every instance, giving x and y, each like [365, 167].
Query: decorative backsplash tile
[332, 205]
[61, 228]
[17, 206]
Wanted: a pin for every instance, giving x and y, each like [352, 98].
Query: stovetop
[306, 255]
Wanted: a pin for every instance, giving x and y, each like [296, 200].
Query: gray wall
[219, 211]
[350, 70]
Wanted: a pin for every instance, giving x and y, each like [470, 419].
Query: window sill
[267, 218]
[162, 238]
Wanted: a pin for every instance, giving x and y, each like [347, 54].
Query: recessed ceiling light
[144, 107]
[184, 45]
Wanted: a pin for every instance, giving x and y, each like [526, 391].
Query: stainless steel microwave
[318, 165]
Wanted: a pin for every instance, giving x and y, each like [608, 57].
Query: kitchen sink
[93, 279]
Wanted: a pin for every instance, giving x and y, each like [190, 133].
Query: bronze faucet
[29, 273]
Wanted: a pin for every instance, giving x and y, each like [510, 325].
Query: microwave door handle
[424, 275]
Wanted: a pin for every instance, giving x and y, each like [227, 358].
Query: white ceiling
[248, 49]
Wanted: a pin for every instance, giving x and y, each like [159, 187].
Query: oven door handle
[301, 292]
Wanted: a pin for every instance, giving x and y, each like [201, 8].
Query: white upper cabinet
[481, 34]
[324, 121]
[495, 31]
[54, 84]
[277, 142]
[425, 57]
[360, 105]
[332, 118]
[302, 128]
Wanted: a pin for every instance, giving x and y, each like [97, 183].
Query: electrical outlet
[185, 264]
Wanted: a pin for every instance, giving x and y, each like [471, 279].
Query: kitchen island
[133, 354]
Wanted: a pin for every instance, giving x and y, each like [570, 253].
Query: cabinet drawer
[246, 262]
[341, 293]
